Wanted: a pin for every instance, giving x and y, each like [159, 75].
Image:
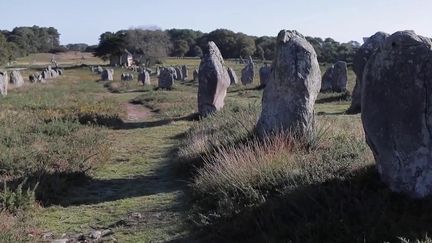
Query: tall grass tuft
[228, 127]
[237, 177]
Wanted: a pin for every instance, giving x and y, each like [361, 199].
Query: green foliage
[16, 200]
[77, 47]
[32, 147]
[33, 39]
[331, 51]
[230, 126]
[184, 42]
[180, 48]
[110, 44]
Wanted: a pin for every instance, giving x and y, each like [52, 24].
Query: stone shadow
[357, 208]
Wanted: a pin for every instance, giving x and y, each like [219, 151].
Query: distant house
[125, 59]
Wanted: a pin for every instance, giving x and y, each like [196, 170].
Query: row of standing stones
[394, 83]
[15, 78]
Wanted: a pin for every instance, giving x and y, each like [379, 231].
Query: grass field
[133, 160]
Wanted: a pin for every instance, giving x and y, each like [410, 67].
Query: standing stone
[179, 73]
[185, 72]
[340, 75]
[107, 75]
[99, 70]
[144, 78]
[397, 112]
[3, 83]
[38, 78]
[327, 80]
[370, 46]
[157, 71]
[16, 79]
[53, 73]
[248, 72]
[335, 78]
[166, 78]
[289, 97]
[195, 75]
[173, 72]
[46, 74]
[213, 81]
[265, 74]
[32, 78]
[233, 76]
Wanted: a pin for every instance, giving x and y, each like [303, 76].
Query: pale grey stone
[233, 76]
[213, 81]
[396, 107]
[289, 97]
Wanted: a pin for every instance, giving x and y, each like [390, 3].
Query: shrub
[230, 126]
[241, 176]
[16, 200]
[48, 152]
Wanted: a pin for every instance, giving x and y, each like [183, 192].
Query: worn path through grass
[138, 193]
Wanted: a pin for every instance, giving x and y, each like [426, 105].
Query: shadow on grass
[330, 114]
[164, 122]
[79, 189]
[336, 97]
[239, 89]
[358, 208]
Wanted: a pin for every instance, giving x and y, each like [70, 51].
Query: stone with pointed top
[213, 81]
[289, 97]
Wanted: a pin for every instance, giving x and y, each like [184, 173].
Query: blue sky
[85, 20]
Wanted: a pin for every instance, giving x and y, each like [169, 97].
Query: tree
[225, 40]
[180, 48]
[5, 52]
[196, 52]
[179, 38]
[77, 47]
[245, 45]
[110, 44]
[265, 47]
[151, 46]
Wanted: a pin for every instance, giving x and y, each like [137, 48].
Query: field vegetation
[79, 155]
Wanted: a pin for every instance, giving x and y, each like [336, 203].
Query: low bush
[241, 176]
[284, 190]
[230, 126]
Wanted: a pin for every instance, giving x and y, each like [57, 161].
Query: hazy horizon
[83, 21]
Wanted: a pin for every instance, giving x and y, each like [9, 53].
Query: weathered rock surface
[289, 97]
[396, 110]
[107, 75]
[179, 73]
[99, 70]
[127, 77]
[335, 79]
[185, 72]
[248, 72]
[166, 78]
[233, 76]
[16, 79]
[144, 77]
[213, 81]
[195, 75]
[370, 46]
[3, 83]
[265, 74]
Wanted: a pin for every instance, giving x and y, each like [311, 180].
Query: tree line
[153, 45]
[22, 41]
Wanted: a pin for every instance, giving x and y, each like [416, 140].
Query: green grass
[196, 180]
